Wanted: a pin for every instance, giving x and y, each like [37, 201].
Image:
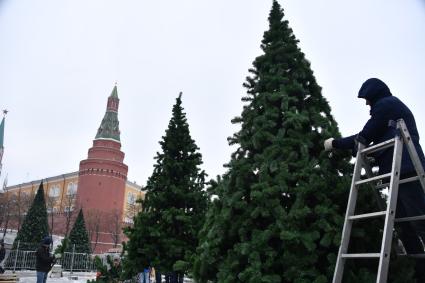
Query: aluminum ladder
[402, 138]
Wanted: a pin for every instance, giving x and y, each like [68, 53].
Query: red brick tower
[103, 175]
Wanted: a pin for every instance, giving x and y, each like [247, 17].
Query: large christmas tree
[78, 240]
[165, 231]
[277, 213]
[35, 226]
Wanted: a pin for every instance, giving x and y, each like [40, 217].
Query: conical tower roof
[109, 128]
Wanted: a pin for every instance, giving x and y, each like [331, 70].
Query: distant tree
[78, 238]
[115, 226]
[277, 214]
[68, 204]
[35, 226]
[23, 204]
[11, 211]
[51, 202]
[94, 222]
[165, 232]
[4, 212]
[133, 208]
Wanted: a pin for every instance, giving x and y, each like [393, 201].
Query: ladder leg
[387, 236]
[346, 231]
[412, 153]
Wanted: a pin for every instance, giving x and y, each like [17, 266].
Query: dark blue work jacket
[376, 130]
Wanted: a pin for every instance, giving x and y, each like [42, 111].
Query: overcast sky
[59, 60]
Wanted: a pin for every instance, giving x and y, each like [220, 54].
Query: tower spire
[2, 138]
[109, 128]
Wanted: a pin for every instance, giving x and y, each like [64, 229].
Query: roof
[114, 92]
[109, 128]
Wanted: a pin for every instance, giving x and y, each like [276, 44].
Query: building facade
[100, 187]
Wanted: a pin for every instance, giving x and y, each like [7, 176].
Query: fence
[23, 257]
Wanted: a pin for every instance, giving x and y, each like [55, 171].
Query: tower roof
[109, 128]
[114, 92]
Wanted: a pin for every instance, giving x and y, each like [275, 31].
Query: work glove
[328, 144]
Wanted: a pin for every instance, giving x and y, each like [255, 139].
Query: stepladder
[390, 180]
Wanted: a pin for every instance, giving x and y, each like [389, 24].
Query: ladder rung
[407, 180]
[379, 146]
[367, 215]
[383, 176]
[369, 255]
[413, 218]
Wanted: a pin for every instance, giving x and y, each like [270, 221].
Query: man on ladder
[411, 198]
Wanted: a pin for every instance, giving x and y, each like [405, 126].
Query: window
[128, 220]
[72, 189]
[52, 210]
[68, 209]
[54, 191]
[131, 198]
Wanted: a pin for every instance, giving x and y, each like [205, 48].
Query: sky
[59, 61]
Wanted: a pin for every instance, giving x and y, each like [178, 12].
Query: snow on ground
[76, 277]
[54, 280]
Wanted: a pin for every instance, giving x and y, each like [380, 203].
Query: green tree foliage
[277, 213]
[78, 236]
[35, 226]
[62, 248]
[109, 273]
[165, 231]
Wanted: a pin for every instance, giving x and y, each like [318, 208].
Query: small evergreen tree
[35, 226]
[78, 236]
[277, 213]
[164, 234]
[109, 273]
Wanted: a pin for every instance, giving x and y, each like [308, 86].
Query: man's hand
[328, 144]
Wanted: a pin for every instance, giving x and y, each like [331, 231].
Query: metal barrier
[19, 259]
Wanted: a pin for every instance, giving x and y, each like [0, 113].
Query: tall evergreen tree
[35, 226]
[165, 231]
[78, 236]
[278, 211]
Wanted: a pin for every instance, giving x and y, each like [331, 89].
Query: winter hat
[47, 241]
[374, 89]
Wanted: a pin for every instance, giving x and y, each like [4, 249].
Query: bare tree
[8, 201]
[132, 209]
[93, 218]
[3, 203]
[23, 203]
[51, 201]
[68, 203]
[115, 226]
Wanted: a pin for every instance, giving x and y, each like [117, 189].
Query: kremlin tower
[103, 175]
[100, 187]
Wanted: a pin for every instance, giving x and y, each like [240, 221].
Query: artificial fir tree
[78, 236]
[277, 213]
[35, 226]
[164, 234]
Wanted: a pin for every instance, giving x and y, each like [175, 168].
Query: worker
[385, 108]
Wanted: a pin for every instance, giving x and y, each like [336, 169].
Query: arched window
[54, 191]
[71, 189]
[131, 198]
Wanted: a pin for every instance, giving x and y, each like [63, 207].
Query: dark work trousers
[158, 278]
[411, 202]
